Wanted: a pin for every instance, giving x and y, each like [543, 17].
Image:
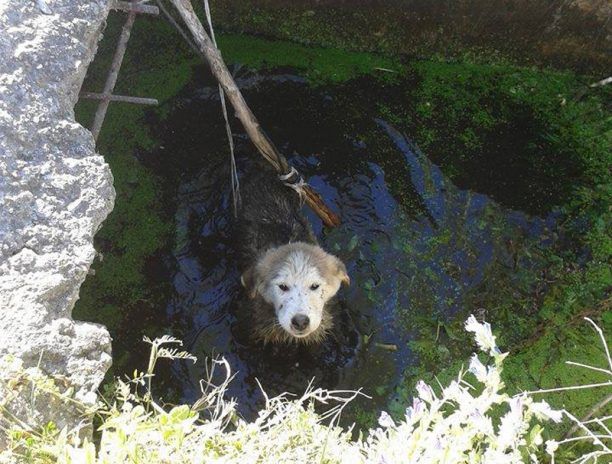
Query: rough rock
[55, 191]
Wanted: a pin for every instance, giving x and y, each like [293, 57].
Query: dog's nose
[300, 322]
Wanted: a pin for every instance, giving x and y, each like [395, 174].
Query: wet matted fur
[275, 245]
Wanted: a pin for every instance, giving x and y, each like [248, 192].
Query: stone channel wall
[55, 191]
[567, 34]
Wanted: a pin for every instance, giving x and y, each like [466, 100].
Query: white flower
[544, 411]
[512, 425]
[489, 375]
[483, 335]
[385, 420]
[425, 391]
[481, 423]
[477, 368]
[414, 412]
[551, 447]
[453, 391]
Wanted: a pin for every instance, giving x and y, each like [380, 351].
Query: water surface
[416, 246]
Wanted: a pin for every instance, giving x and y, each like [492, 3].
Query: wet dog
[289, 279]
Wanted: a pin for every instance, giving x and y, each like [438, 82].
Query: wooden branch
[243, 112]
[119, 98]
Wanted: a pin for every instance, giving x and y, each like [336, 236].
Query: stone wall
[574, 34]
[55, 191]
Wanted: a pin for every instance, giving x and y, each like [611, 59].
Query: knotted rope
[264, 145]
[293, 179]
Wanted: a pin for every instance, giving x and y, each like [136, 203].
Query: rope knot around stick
[265, 146]
[293, 179]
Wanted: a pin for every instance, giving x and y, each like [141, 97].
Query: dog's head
[298, 279]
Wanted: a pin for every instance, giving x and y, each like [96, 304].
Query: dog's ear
[341, 273]
[249, 281]
[344, 277]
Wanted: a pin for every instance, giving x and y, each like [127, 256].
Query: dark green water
[418, 247]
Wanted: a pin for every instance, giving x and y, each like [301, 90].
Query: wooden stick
[243, 112]
[111, 80]
[136, 8]
[119, 98]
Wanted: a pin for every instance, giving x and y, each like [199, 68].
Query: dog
[290, 281]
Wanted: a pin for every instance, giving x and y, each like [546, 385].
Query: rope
[233, 171]
[297, 184]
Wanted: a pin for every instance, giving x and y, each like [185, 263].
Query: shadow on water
[415, 244]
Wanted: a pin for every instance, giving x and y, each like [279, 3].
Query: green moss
[316, 63]
[542, 364]
[138, 226]
[465, 116]
[136, 229]
[527, 132]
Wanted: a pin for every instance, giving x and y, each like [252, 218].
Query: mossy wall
[573, 34]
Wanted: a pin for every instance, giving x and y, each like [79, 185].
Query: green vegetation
[471, 419]
[470, 118]
[316, 63]
[526, 123]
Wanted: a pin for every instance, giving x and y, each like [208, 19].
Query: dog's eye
[314, 286]
[283, 287]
